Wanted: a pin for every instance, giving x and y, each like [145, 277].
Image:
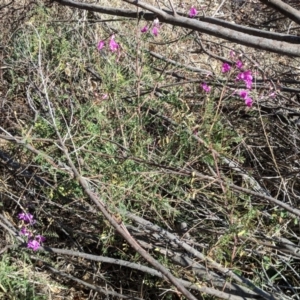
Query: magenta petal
[193, 12]
[225, 68]
[26, 217]
[155, 31]
[205, 87]
[101, 45]
[248, 101]
[243, 94]
[144, 29]
[39, 238]
[239, 64]
[25, 232]
[33, 244]
[112, 44]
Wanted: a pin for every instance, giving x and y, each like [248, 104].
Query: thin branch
[139, 267]
[284, 8]
[247, 39]
[199, 255]
[121, 229]
[90, 286]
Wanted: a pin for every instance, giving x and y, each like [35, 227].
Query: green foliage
[15, 282]
[138, 136]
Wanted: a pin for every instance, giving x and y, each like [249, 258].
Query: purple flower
[144, 29]
[40, 238]
[225, 68]
[27, 218]
[248, 84]
[246, 77]
[155, 31]
[205, 87]
[248, 101]
[101, 45]
[33, 244]
[25, 232]
[112, 44]
[193, 12]
[243, 94]
[239, 64]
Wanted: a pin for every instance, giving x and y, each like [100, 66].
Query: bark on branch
[273, 42]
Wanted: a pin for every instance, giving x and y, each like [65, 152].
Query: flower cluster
[113, 45]
[245, 76]
[248, 100]
[155, 28]
[33, 242]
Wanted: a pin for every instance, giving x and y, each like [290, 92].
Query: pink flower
[33, 244]
[243, 94]
[232, 53]
[144, 29]
[248, 101]
[112, 44]
[205, 87]
[25, 232]
[26, 217]
[193, 12]
[239, 64]
[248, 84]
[246, 77]
[225, 68]
[101, 45]
[155, 31]
[40, 238]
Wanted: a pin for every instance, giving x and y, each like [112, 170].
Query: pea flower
[144, 29]
[205, 87]
[248, 101]
[34, 245]
[246, 77]
[40, 238]
[243, 94]
[25, 232]
[155, 31]
[112, 44]
[193, 12]
[155, 28]
[101, 45]
[27, 218]
[225, 68]
[239, 64]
